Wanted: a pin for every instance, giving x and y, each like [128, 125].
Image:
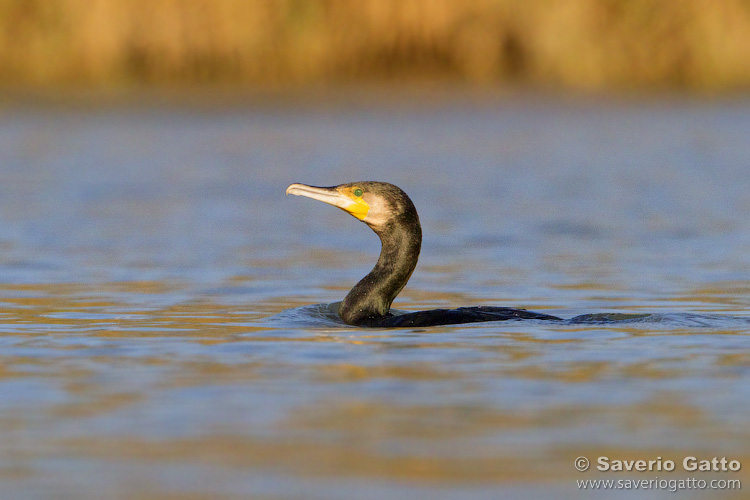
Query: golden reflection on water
[210, 386]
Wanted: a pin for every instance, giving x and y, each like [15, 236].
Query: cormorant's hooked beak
[342, 197]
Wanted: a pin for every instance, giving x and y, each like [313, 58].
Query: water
[157, 290]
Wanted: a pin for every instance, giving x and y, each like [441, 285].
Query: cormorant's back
[438, 317]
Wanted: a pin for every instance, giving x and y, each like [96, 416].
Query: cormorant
[391, 214]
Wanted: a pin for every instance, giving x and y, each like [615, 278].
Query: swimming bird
[391, 215]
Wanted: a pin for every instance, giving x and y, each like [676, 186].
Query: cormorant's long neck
[371, 298]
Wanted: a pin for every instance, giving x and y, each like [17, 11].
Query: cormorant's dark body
[391, 215]
[437, 317]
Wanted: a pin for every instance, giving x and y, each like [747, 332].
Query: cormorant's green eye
[358, 192]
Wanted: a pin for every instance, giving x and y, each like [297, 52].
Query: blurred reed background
[589, 44]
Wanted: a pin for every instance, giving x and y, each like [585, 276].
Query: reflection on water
[158, 338]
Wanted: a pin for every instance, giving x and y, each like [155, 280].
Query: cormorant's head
[374, 203]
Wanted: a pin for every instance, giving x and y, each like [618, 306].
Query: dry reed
[571, 43]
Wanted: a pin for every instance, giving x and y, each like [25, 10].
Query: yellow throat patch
[359, 207]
